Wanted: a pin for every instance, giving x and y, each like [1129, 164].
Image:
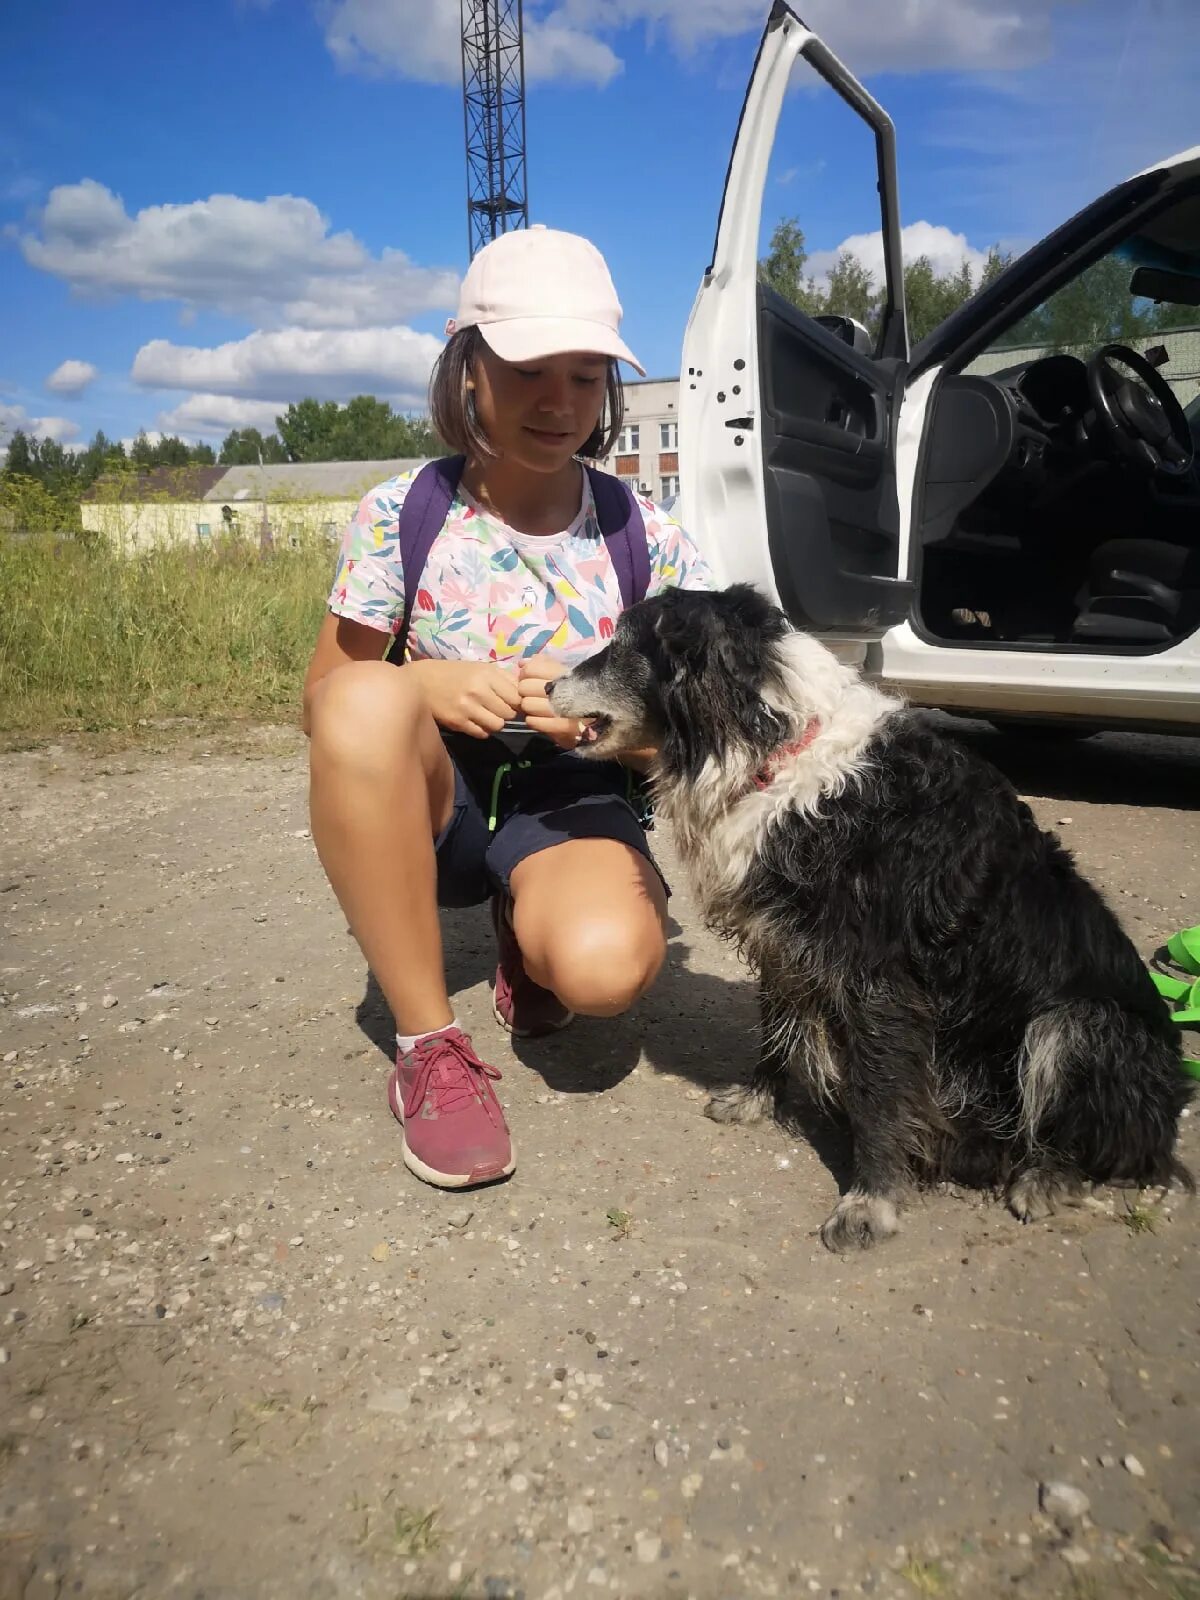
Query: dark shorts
[557, 797]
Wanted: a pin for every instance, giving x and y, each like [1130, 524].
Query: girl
[414, 799]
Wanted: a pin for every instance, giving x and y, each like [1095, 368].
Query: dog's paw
[741, 1102]
[1035, 1195]
[859, 1221]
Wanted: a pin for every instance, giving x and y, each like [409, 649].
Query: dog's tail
[1102, 1089]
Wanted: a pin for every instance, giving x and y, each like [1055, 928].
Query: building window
[670, 485]
[203, 529]
[668, 436]
[629, 440]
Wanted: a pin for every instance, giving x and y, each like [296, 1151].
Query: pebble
[1107, 1460]
[1133, 1466]
[518, 1483]
[1075, 1556]
[661, 1453]
[460, 1217]
[602, 1432]
[109, 1001]
[1063, 1501]
[649, 1548]
[4, 1357]
[6, 1286]
[580, 1519]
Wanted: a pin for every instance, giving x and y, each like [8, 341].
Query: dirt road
[245, 1354]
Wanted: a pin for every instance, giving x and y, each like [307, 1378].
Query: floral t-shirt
[489, 593]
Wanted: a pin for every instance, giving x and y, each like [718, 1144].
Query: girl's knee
[366, 712]
[602, 968]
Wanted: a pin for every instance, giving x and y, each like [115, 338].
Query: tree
[782, 268]
[243, 447]
[21, 458]
[851, 292]
[850, 289]
[364, 429]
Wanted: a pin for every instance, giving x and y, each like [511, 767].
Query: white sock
[406, 1041]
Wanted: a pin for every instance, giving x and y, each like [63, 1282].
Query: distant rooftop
[342, 480]
[300, 480]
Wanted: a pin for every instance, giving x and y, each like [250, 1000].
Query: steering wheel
[1147, 428]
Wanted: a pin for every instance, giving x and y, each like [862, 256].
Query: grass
[92, 641]
[927, 1577]
[1139, 1219]
[620, 1222]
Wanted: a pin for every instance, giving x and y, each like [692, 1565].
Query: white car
[997, 530]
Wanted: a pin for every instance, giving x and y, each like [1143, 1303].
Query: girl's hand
[536, 708]
[475, 697]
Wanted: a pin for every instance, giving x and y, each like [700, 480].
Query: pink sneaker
[441, 1094]
[520, 1005]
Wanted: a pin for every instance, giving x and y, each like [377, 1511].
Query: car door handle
[826, 436]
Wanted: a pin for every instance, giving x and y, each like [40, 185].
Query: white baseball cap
[537, 292]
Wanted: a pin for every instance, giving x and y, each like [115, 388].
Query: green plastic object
[1184, 949]
[1183, 994]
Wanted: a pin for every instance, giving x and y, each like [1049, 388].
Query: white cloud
[393, 363]
[422, 39]
[945, 249]
[15, 419]
[569, 39]
[213, 415]
[272, 261]
[72, 378]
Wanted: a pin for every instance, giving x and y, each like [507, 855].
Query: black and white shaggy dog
[930, 961]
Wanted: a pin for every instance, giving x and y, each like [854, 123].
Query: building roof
[298, 480]
[303, 480]
[157, 483]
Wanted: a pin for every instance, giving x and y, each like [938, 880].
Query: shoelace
[446, 1075]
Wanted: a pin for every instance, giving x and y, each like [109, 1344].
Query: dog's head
[685, 672]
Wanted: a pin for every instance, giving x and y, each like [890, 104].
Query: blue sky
[208, 210]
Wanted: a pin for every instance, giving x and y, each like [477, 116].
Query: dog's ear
[747, 607]
[715, 649]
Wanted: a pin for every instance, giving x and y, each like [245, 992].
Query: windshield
[1098, 307]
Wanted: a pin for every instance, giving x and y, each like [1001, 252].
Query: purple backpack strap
[422, 517]
[624, 532]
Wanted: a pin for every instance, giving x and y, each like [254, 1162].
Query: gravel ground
[244, 1353]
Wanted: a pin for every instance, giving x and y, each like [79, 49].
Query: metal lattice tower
[493, 65]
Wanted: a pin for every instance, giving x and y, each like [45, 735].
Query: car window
[1097, 307]
[821, 239]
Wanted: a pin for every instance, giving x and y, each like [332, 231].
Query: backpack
[428, 502]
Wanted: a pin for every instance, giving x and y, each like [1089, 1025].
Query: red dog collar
[766, 774]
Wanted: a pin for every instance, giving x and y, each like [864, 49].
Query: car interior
[1059, 502]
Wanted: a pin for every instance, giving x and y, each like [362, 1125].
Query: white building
[647, 452]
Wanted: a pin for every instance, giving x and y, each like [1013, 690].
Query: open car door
[787, 456]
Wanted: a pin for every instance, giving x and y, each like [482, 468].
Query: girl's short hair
[452, 403]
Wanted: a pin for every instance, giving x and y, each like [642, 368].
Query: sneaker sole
[446, 1180]
[531, 1033]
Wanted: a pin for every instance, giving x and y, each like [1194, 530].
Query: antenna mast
[493, 68]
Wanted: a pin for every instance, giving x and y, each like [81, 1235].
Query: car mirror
[1173, 288]
[850, 331]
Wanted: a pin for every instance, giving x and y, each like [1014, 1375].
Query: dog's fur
[930, 961]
